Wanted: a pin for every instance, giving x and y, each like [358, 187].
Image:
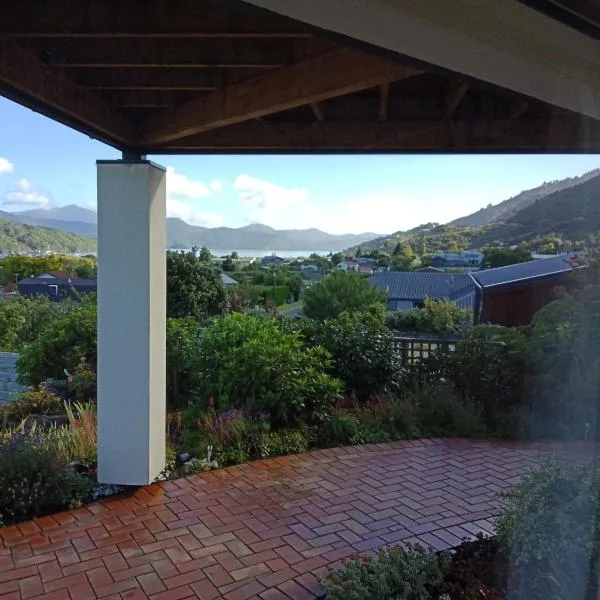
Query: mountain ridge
[180, 234]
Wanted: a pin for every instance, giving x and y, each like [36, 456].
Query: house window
[419, 304]
[53, 290]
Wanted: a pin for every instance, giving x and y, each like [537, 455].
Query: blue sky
[44, 164]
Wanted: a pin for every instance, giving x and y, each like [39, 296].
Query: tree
[194, 287]
[204, 255]
[228, 264]
[502, 257]
[343, 292]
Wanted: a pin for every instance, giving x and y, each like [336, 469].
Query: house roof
[56, 281]
[421, 285]
[228, 280]
[535, 269]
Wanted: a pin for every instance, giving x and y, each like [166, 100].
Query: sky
[44, 164]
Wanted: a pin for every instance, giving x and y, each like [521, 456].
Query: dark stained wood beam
[384, 94]
[166, 65]
[456, 93]
[335, 73]
[115, 19]
[518, 109]
[408, 136]
[317, 111]
[27, 80]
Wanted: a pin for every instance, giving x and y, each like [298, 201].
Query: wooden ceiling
[190, 76]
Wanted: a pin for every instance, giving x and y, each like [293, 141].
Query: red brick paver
[264, 529]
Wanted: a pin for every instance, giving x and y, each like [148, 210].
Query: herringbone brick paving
[264, 529]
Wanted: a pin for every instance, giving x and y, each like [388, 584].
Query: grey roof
[47, 281]
[417, 286]
[534, 269]
[228, 280]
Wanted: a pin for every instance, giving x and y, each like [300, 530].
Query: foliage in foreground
[411, 573]
[252, 363]
[436, 317]
[550, 531]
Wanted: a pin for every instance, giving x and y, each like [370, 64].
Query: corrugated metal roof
[523, 271]
[228, 280]
[417, 286]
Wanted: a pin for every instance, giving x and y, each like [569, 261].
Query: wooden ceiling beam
[317, 111]
[426, 135]
[384, 94]
[166, 65]
[518, 108]
[159, 35]
[29, 81]
[335, 73]
[454, 96]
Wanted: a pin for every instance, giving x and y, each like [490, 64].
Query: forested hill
[505, 210]
[17, 237]
[561, 220]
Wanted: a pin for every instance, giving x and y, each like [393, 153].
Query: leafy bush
[81, 385]
[61, 345]
[280, 443]
[252, 363]
[440, 317]
[22, 320]
[400, 573]
[550, 531]
[182, 362]
[40, 401]
[194, 287]
[343, 292]
[32, 481]
[362, 349]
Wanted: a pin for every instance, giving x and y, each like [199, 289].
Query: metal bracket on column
[132, 155]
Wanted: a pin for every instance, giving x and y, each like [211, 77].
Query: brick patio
[264, 529]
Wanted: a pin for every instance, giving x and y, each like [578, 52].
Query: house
[406, 290]
[366, 261]
[511, 295]
[349, 265]
[309, 268]
[55, 288]
[466, 261]
[266, 262]
[228, 281]
[9, 289]
[365, 269]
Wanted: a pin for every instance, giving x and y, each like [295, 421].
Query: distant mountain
[505, 210]
[71, 212]
[258, 237]
[82, 221]
[18, 237]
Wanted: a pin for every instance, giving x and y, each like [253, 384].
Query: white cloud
[6, 166]
[24, 193]
[292, 208]
[183, 195]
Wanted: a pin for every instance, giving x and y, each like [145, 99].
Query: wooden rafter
[33, 82]
[425, 135]
[454, 96]
[518, 109]
[317, 111]
[384, 92]
[335, 73]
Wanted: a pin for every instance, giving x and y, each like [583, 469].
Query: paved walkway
[264, 529]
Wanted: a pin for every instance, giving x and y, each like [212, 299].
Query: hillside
[82, 221]
[508, 208]
[571, 214]
[17, 237]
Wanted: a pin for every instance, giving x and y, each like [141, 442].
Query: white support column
[131, 321]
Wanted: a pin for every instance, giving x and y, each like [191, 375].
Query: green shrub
[362, 349]
[40, 401]
[32, 481]
[280, 443]
[440, 412]
[343, 292]
[252, 363]
[439, 317]
[550, 531]
[61, 345]
[22, 320]
[337, 430]
[182, 379]
[411, 573]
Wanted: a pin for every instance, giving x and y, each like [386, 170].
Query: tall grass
[78, 439]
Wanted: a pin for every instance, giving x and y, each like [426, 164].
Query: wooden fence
[411, 349]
